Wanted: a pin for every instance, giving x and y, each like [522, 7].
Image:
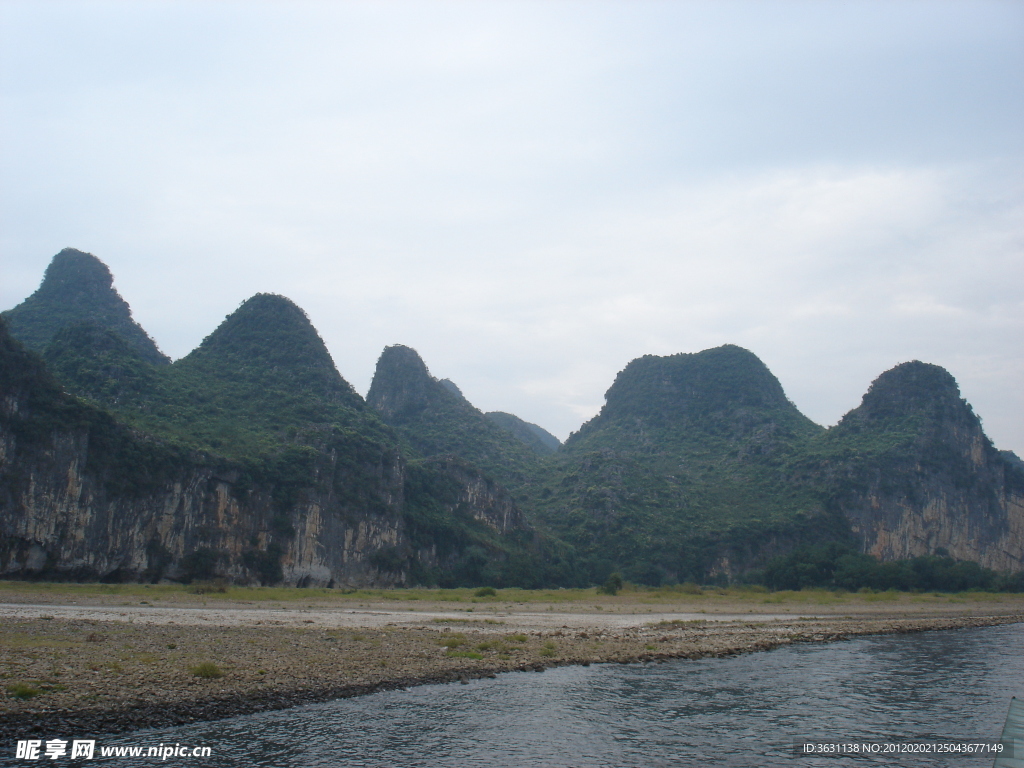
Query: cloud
[532, 194]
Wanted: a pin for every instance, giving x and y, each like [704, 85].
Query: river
[744, 711]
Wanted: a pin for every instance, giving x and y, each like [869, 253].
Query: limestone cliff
[914, 473]
[85, 497]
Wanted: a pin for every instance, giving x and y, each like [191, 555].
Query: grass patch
[23, 691]
[463, 654]
[195, 592]
[30, 689]
[207, 670]
[25, 640]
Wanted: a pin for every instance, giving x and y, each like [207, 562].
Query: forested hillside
[253, 459]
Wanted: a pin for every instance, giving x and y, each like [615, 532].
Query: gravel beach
[101, 665]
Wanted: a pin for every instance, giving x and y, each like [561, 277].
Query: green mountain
[250, 458]
[78, 287]
[253, 458]
[687, 468]
[263, 379]
[914, 474]
[536, 438]
[436, 420]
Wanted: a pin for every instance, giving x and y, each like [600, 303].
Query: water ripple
[741, 711]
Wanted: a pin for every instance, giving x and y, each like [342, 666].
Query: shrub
[612, 585]
[207, 670]
[22, 691]
[452, 642]
[485, 592]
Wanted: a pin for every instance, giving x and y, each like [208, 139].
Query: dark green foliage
[77, 287]
[96, 363]
[537, 439]
[911, 431]
[266, 564]
[200, 564]
[698, 464]
[437, 421]
[833, 566]
[691, 459]
[263, 379]
[390, 559]
[262, 400]
[612, 585]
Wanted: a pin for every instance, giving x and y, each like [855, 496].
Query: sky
[532, 194]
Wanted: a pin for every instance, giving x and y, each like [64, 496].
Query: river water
[743, 711]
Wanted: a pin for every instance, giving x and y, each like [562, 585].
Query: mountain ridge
[698, 467]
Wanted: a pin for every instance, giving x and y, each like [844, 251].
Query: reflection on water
[743, 711]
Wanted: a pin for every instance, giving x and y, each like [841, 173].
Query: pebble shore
[83, 677]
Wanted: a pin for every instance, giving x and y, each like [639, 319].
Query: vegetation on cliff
[36, 408]
[697, 468]
[534, 437]
[911, 431]
[77, 287]
[262, 401]
[834, 566]
[688, 464]
[436, 420]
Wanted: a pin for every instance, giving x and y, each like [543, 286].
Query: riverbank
[100, 664]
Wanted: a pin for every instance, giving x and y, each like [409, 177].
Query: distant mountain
[536, 438]
[261, 380]
[83, 496]
[452, 387]
[914, 474]
[253, 459]
[78, 287]
[437, 420]
[250, 458]
[263, 374]
[686, 471]
[699, 467]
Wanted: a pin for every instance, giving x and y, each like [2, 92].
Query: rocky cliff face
[914, 473]
[82, 496]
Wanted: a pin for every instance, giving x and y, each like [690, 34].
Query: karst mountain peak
[78, 287]
[252, 458]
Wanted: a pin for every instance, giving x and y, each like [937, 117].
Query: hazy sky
[532, 194]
